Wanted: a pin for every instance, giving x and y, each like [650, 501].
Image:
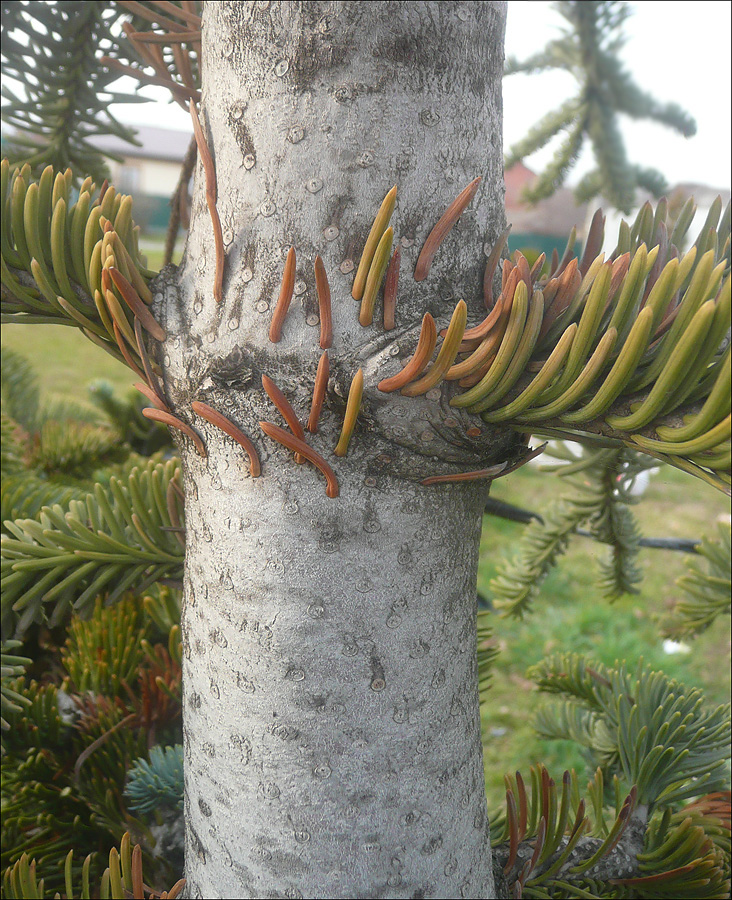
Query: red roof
[554, 216]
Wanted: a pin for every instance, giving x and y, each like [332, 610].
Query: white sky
[677, 51]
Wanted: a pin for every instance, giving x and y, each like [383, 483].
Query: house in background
[545, 226]
[149, 172]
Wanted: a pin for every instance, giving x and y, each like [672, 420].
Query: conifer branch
[629, 352]
[112, 541]
[706, 586]
[648, 729]
[52, 50]
[72, 263]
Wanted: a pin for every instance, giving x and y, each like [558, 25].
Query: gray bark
[331, 722]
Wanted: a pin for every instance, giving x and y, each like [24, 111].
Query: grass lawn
[65, 360]
[569, 614]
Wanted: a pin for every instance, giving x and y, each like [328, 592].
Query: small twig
[681, 545]
[98, 743]
[513, 513]
[185, 14]
[181, 92]
[139, 9]
[210, 173]
[180, 196]
[170, 37]
[183, 64]
[152, 55]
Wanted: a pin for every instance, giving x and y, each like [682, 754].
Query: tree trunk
[331, 721]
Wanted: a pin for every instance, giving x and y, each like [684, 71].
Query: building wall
[151, 183]
[532, 245]
[156, 178]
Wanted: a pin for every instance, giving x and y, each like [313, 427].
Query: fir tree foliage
[50, 451]
[570, 837]
[53, 51]
[648, 729]
[600, 494]
[629, 351]
[55, 452]
[70, 740]
[588, 50]
[172, 63]
[100, 721]
[71, 743]
[686, 853]
[124, 878]
[119, 537]
[487, 651]
[706, 586]
[67, 55]
[73, 263]
[157, 783]
[552, 840]
[11, 666]
[599, 350]
[103, 655]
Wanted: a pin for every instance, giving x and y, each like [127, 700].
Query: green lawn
[570, 613]
[65, 360]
